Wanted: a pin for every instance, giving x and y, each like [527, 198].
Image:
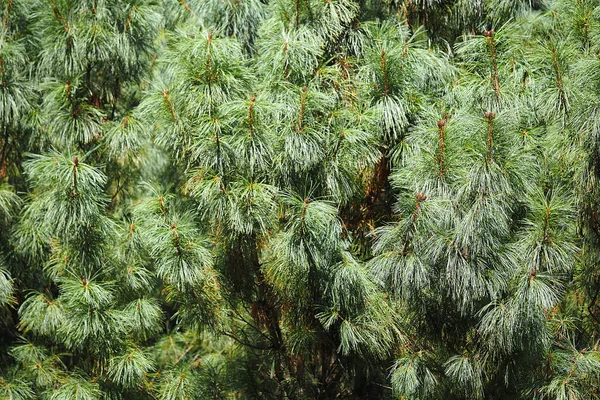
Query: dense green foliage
[302, 199]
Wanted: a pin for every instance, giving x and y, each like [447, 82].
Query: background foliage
[303, 199]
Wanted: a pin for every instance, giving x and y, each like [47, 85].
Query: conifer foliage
[299, 199]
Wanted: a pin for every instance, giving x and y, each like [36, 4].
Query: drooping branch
[300, 126]
[4, 153]
[297, 13]
[441, 147]
[495, 77]
[165, 94]
[489, 115]
[208, 64]
[129, 17]
[408, 235]
[176, 238]
[7, 12]
[338, 144]
[2, 73]
[546, 233]
[251, 116]
[131, 229]
[286, 72]
[219, 152]
[74, 185]
[384, 71]
[162, 206]
[559, 80]
[60, 17]
[304, 206]
[593, 301]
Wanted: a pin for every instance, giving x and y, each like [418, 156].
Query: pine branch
[489, 35]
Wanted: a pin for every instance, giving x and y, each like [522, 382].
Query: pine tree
[299, 199]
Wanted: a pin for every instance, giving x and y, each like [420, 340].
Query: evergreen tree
[299, 199]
